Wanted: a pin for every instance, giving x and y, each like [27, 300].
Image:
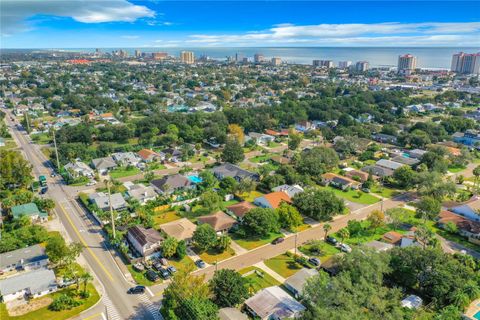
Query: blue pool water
[405, 155]
[195, 179]
[477, 315]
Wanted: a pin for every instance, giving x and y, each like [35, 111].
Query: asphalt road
[110, 280]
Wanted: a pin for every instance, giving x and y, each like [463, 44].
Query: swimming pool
[477, 315]
[405, 155]
[195, 179]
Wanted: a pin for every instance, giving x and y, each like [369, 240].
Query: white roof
[274, 301]
[412, 302]
[35, 281]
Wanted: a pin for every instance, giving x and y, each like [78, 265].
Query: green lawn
[156, 166]
[140, 277]
[212, 256]
[9, 144]
[284, 265]
[367, 234]
[250, 196]
[44, 313]
[185, 263]
[252, 243]
[326, 250]
[166, 216]
[353, 195]
[258, 280]
[41, 138]
[261, 158]
[384, 192]
[456, 169]
[123, 172]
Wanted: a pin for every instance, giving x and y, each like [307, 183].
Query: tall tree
[232, 152]
[204, 237]
[229, 288]
[15, 171]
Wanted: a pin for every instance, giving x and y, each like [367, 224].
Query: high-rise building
[276, 61]
[258, 58]
[138, 54]
[159, 55]
[407, 64]
[344, 64]
[362, 66]
[467, 63]
[187, 57]
[323, 63]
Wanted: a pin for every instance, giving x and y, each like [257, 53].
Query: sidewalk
[275, 275]
[237, 248]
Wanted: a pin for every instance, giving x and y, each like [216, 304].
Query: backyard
[250, 196]
[355, 196]
[123, 172]
[165, 216]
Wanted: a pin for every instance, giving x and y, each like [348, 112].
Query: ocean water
[376, 56]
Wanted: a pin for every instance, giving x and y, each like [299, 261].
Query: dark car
[200, 263]
[157, 265]
[151, 275]
[164, 273]
[332, 240]
[315, 261]
[171, 269]
[136, 289]
[44, 190]
[278, 240]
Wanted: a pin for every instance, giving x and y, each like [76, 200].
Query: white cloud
[358, 34]
[14, 14]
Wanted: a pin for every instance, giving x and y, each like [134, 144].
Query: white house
[31, 284]
[77, 168]
[145, 241]
[29, 258]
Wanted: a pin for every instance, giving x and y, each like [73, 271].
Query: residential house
[389, 164]
[20, 109]
[296, 283]
[466, 227]
[385, 138]
[304, 126]
[30, 210]
[231, 170]
[29, 258]
[103, 165]
[280, 159]
[272, 200]
[148, 155]
[169, 184]
[101, 200]
[32, 284]
[126, 158]
[392, 237]
[378, 171]
[356, 175]
[140, 192]
[219, 221]
[144, 241]
[181, 229]
[415, 153]
[77, 169]
[240, 209]
[290, 190]
[273, 303]
[406, 160]
[337, 181]
[470, 210]
[172, 154]
[231, 314]
[470, 138]
[260, 138]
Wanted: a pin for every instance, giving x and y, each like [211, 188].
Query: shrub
[64, 302]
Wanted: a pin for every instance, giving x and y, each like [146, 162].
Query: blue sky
[168, 24]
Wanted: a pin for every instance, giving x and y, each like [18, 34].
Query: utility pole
[56, 150]
[111, 208]
[296, 235]
[28, 123]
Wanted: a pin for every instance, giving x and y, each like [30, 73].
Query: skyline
[166, 24]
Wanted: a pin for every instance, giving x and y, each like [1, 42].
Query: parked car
[278, 240]
[91, 183]
[171, 269]
[44, 190]
[157, 265]
[315, 261]
[138, 267]
[345, 247]
[136, 289]
[163, 261]
[332, 240]
[164, 273]
[151, 275]
[200, 263]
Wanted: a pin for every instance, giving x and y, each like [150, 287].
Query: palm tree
[326, 228]
[344, 233]
[85, 277]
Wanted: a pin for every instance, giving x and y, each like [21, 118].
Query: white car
[345, 247]
[91, 183]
